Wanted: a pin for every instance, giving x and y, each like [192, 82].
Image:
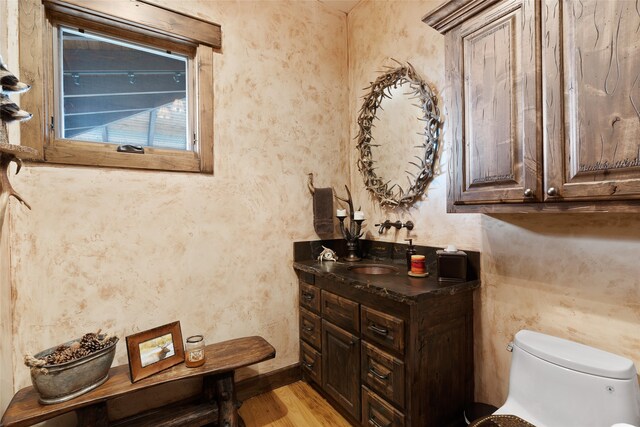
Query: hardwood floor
[295, 405]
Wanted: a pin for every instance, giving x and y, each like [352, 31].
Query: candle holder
[353, 232]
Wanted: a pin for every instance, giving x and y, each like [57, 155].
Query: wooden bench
[217, 404]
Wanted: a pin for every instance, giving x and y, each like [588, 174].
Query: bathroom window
[121, 93]
[124, 92]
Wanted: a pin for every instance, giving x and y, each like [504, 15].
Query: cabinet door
[341, 367]
[383, 373]
[341, 311]
[591, 99]
[310, 328]
[310, 297]
[491, 67]
[377, 413]
[311, 362]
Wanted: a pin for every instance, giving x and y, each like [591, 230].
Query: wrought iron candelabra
[353, 232]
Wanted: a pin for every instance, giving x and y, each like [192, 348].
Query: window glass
[122, 93]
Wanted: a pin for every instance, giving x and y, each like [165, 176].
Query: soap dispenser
[411, 250]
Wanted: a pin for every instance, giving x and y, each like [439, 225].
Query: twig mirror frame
[394, 196]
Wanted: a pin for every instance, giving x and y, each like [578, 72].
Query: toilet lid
[573, 355]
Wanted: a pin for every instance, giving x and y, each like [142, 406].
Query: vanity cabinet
[385, 359]
[543, 104]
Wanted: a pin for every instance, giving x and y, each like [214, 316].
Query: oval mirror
[399, 126]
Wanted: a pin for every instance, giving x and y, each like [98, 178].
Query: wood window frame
[138, 22]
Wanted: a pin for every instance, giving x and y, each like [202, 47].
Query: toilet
[559, 383]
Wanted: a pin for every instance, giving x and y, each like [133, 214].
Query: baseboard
[264, 383]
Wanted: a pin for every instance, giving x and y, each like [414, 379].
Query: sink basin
[373, 269]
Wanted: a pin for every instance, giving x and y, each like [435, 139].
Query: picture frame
[154, 350]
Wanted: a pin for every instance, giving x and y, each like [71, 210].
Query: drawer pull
[307, 296]
[308, 365]
[308, 328]
[378, 330]
[376, 374]
[373, 421]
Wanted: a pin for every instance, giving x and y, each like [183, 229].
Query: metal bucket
[71, 379]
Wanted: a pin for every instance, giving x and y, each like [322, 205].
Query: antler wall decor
[390, 194]
[11, 112]
[10, 153]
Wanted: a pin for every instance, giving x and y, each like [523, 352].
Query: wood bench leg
[220, 389]
[93, 416]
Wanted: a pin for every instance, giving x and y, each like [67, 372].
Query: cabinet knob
[528, 193]
[552, 191]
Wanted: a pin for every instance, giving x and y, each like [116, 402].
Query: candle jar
[418, 264]
[194, 351]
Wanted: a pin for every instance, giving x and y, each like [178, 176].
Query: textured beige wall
[574, 276]
[379, 32]
[128, 250]
[8, 50]
[6, 367]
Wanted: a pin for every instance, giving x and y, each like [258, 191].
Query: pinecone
[62, 354]
[89, 343]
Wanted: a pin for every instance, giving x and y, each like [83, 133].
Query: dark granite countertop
[397, 285]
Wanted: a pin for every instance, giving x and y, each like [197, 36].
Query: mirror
[399, 126]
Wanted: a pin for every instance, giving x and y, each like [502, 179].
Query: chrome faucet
[398, 225]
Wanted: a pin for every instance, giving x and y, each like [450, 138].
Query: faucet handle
[386, 224]
[408, 225]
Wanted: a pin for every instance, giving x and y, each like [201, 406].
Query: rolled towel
[323, 211]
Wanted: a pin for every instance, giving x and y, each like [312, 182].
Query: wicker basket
[501, 421]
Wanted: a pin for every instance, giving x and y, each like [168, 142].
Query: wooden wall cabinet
[386, 362]
[543, 104]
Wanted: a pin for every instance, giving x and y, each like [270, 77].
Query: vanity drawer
[311, 362]
[310, 297]
[382, 373]
[340, 311]
[310, 328]
[382, 329]
[377, 413]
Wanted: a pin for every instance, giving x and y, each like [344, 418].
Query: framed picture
[154, 350]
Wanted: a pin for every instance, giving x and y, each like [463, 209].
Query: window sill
[105, 155]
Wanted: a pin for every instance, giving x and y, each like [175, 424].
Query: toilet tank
[559, 383]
